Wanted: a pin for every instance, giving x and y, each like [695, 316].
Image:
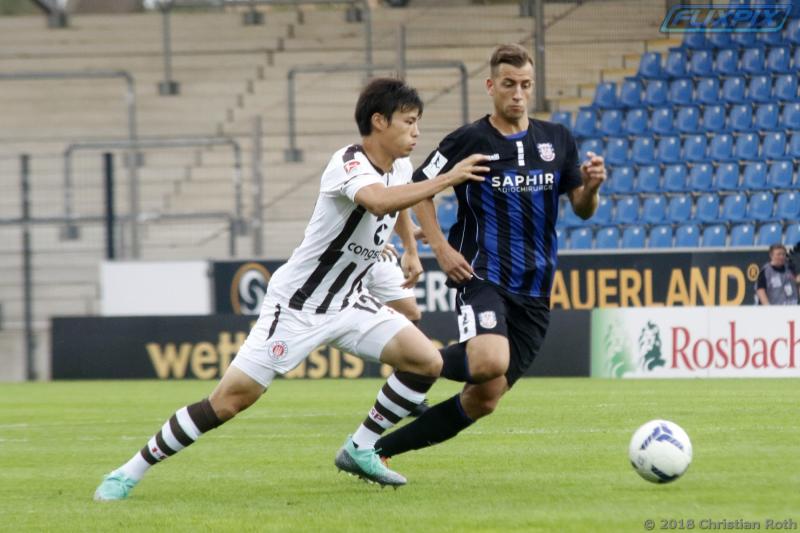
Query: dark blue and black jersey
[506, 226]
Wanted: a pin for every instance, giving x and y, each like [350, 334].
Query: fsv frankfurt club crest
[546, 151]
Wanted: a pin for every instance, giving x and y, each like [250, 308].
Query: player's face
[511, 90]
[778, 257]
[400, 136]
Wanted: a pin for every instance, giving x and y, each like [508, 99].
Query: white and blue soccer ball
[660, 451]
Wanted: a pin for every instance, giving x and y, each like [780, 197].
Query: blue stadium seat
[792, 234]
[611, 122]
[603, 215]
[607, 237]
[605, 95]
[746, 147]
[715, 236]
[743, 235]
[680, 91]
[721, 148]
[661, 121]
[630, 93]
[733, 90]
[585, 123]
[769, 38]
[650, 66]
[778, 60]
[726, 177]
[708, 90]
[675, 65]
[701, 177]
[562, 237]
[687, 236]
[694, 148]
[580, 239]
[669, 149]
[720, 39]
[743, 39]
[788, 206]
[621, 179]
[760, 89]
[701, 63]
[794, 146]
[740, 118]
[726, 62]
[675, 178]
[447, 213]
[755, 176]
[654, 210]
[633, 237]
[753, 60]
[636, 121]
[562, 117]
[571, 220]
[707, 208]
[792, 31]
[774, 145]
[679, 209]
[660, 237]
[767, 116]
[786, 87]
[780, 174]
[617, 151]
[760, 206]
[714, 118]
[643, 152]
[734, 208]
[768, 234]
[627, 210]
[694, 41]
[688, 119]
[790, 116]
[656, 93]
[648, 179]
[590, 145]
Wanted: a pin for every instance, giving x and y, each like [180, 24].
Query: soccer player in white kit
[317, 297]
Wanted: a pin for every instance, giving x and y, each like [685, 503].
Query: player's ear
[379, 122]
[490, 86]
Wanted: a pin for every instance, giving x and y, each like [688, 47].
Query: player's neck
[506, 127]
[377, 154]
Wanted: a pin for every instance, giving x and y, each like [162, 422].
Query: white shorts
[385, 281]
[282, 337]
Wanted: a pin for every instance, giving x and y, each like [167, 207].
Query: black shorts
[483, 307]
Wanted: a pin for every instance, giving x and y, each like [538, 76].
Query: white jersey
[342, 239]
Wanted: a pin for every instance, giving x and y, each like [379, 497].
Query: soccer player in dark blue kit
[501, 253]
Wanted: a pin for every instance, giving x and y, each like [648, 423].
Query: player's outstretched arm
[585, 198]
[451, 262]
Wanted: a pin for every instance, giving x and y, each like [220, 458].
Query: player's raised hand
[412, 269]
[389, 252]
[593, 171]
[468, 168]
[453, 264]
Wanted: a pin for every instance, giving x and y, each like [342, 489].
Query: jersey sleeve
[348, 175]
[449, 152]
[571, 173]
[761, 282]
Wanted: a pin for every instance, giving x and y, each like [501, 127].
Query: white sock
[135, 468]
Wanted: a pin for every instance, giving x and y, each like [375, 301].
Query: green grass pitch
[552, 458]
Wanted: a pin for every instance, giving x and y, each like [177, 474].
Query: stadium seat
[792, 31]
[562, 117]
[743, 235]
[656, 93]
[767, 117]
[675, 178]
[643, 151]
[753, 60]
[633, 237]
[778, 60]
[701, 63]
[707, 208]
[790, 116]
[621, 179]
[760, 206]
[769, 38]
[688, 119]
[755, 176]
[660, 237]
[721, 148]
[630, 93]
[768, 234]
[607, 237]
[708, 90]
[611, 122]
[734, 208]
[585, 123]
[786, 87]
[719, 39]
[715, 236]
[713, 118]
[580, 239]
[740, 118]
[648, 179]
[654, 210]
[760, 89]
[627, 210]
[701, 177]
[792, 234]
[687, 236]
[591, 145]
[636, 121]
[650, 66]
[694, 148]
[746, 148]
[774, 145]
[680, 92]
[694, 40]
[680, 209]
[562, 237]
[571, 220]
[780, 174]
[788, 206]
[669, 149]
[603, 214]
[726, 177]
[447, 212]
[605, 95]
[675, 65]
[617, 151]
[733, 90]
[726, 62]
[743, 39]
[661, 121]
[794, 146]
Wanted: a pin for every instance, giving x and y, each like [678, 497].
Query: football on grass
[660, 451]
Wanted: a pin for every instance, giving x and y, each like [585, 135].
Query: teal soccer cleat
[366, 464]
[115, 486]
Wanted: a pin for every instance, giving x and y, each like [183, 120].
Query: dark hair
[512, 54]
[773, 247]
[384, 96]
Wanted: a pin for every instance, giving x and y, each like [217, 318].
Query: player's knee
[484, 368]
[231, 405]
[432, 366]
[479, 406]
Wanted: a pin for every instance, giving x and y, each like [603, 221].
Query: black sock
[455, 365]
[441, 422]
